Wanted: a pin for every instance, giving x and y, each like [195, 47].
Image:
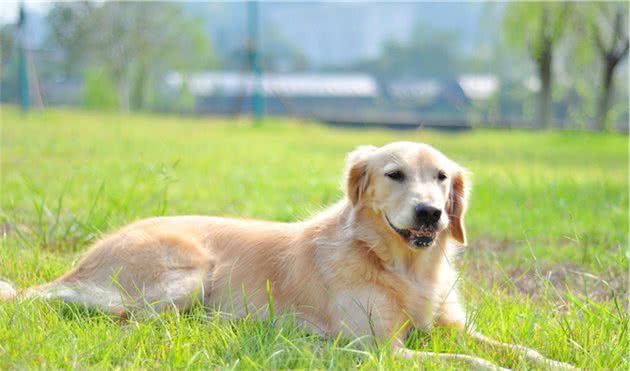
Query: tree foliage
[429, 53]
[133, 42]
[69, 35]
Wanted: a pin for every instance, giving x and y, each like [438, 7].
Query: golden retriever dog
[374, 265]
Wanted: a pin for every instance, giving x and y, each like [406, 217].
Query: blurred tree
[607, 25]
[539, 27]
[8, 69]
[133, 42]
[99, 92]
[277, 53]
[7, 43]
[280, 54]
[68, 34]
[429, 53]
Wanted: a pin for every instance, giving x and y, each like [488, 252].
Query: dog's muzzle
[422, 237]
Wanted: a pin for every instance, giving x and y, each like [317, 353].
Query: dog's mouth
[422, 237]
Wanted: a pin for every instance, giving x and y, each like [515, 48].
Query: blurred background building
[451, 65]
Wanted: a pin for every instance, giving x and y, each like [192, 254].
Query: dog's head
[412, 188]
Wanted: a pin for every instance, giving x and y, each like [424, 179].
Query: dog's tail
[7, 292]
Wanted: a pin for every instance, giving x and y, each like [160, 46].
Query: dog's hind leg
[84, 293]
[132, 271]
[87, 295]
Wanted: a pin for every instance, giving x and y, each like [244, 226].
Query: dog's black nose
[427, 215]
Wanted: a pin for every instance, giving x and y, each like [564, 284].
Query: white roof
[423, 89]
[479, 87]
[234, 83]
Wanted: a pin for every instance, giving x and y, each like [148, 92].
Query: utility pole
[25, 98]
[258, 103]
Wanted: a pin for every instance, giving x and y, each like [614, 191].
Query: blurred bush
[99, 91]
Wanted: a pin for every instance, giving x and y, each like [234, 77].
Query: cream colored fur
[345, 270]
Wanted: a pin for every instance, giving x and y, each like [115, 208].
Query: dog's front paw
[6, 291]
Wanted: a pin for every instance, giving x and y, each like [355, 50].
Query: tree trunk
[138, 94]
[603, 106]
[544, 96]
[123, 95]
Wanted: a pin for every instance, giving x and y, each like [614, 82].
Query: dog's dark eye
[396, 175]
[442, 176]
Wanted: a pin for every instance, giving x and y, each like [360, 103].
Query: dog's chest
[361, 311]
[380, 310]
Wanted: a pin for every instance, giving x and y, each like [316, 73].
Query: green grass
[546, 265]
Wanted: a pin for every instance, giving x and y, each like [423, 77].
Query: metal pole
[258, 103]
[25, 98]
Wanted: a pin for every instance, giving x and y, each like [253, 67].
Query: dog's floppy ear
[457, 204]
[356, 176]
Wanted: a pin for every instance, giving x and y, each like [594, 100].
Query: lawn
[546, 264]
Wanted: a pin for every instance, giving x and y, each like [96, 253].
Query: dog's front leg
[452, 315]
[475, 362]
[528, 353]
